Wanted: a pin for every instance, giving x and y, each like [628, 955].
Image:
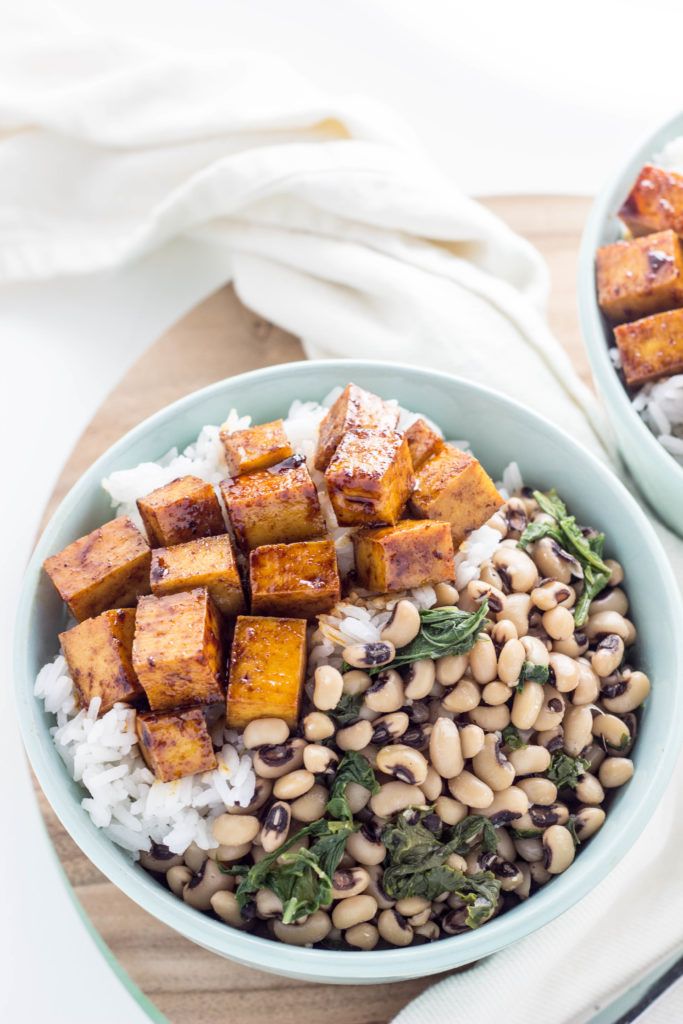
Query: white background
[507, 97]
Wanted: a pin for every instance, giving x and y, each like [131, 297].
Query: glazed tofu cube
[300, 580]
[180, 511]
[370, 477]
[454, 487]
[207, 562]
[98, 652]
[422, 442]
[410, 554]
[640, 277]
[267, 668]
[108, 568]
[274, 506]
[177, 650]
[355, 409]
[655, 202]
[652, 347]
[256, 448]
[176, 743]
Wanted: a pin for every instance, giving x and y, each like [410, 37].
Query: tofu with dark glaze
[413, 553]
[655, 202]
[651, 348]
[454, 487]
[207, 562]
[423, 442]
[183, 510]
[370, 477]
[267, 669]
[300, 580]
[98, 652]
[255, 448]
[640, 277]
[175, 744]
[355, 409]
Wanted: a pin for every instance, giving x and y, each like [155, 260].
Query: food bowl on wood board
[499, 431]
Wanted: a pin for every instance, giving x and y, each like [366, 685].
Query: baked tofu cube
[180, 511]
[370, 477]
[274, 506]
[107, 569]
[454, 487]
[652, 347]
[640, 277]
[207, 562]
[410, 554]
[98, 653]
[176, 743]
[301, 579]
[256, 448]
[655, 202]
[177, 651]
[422, 442]
[267, 668]
[355, 409]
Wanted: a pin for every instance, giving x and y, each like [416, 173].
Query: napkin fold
[339, 229]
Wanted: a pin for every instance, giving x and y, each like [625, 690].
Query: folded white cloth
[340, 231]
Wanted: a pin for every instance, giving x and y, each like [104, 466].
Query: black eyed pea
[394, 928]
[558, 623]
[578, 726]
[507, 873]
[389, 728]
[471, 740]
[551, 594]
[275, 826]
[411, 905]
[375, 889]
[552, 814]
[446, 595]
[456, 862]
[354, 910]
[370, 755]
[234, 830]
[419, 919]
[495, 693]
[465, 696]
[328, 687]
[355, 736]
[365, 849]
[386, 693]
[271, 762]
[497, 522]
[615, 771]
[432, 784]
[539, 791]
[347, 882]
[535, 650]
[291, 786]
[538, 873]
[608, 655]
[177, 877]
[636, 689]
[208, 881]
[480, 590]
[507, 805]
[604, 623]
[230, 854]
[529, 850]
[315, 928]
[317, 759]
[529, 760]
[613, 599]
[488, 574]
[224, 904]
[356, 682]
[588, 789]
[451, 668]
[451, 812]
[527, 705]
[267, 904]
[470, 791]
[403, 762]
[362, 936]
[403, 626]
[503, 631]
[612, 732]
[595, 755]
[574, 646]
[445, 751]
[491, 719]
[356, 797]
[159, 858]
[516, 568]
[552, 561]
[565, 670]
[506, 847]
[265, 732]
[262, 791]
[392, 798]
[491, 766]
[558, 849]
[551, 713]
[587, 821]
[515, 514]
[510, 661]
[194, 857]
[318, 726]
[588, 686]
[517, 611]
[419, 678]
[551, 739]
[371, 655]
[483, 661]
[367, 713]
[311, 805]
[617, 576]
[524, 887]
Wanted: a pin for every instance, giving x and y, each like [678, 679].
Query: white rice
[123, 798]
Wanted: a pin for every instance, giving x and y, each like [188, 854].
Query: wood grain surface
[217, 339]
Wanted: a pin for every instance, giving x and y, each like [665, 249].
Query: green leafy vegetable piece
[571, 828]
[536, 673]
[527, 833]
[586, 550]
[353, 767]
[442, 631]
[464, 835]
[512, 738]
[565, 770]
[347, 710]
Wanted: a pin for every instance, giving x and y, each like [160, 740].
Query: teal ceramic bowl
[656, 472]
[499, 431]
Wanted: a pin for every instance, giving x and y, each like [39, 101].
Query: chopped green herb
[535, 673]
[512, 738]
[527, 833]
[571, 828]
[565, 770]
[443, 631]
[347, 710]
[353, 767]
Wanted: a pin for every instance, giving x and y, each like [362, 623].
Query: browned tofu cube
[355, 409]
[255, 448]
[300, 580]
[267, 668]
[655, 202]
[98, 653]
[107, 569]
[207, 562]
[410, 554]
[180, 511]
[640, 277]
[274, 506]
[176, 743]
[370, 477]
[422, 442]
[454, 487]
[177, 651]
[652, 347]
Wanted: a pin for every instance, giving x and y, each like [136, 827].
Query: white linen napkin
[341, 231]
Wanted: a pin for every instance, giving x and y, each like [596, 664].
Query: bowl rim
[590, 316]
[265, 954]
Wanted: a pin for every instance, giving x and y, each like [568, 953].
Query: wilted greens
[565, 770]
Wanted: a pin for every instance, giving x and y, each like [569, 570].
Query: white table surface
[506, 97]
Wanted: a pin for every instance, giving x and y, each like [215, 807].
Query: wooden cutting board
[217, 339]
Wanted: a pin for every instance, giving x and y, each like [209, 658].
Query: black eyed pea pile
[485, 771]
